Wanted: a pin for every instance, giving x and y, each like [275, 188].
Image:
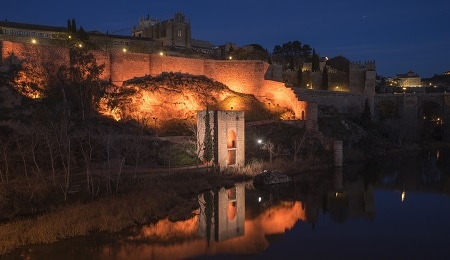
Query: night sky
[399, 35]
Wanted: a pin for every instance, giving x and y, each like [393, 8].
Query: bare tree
[274, 150]
[4, 172]
[87, 148]
[196, 142]
[64, 150]
[298, 144]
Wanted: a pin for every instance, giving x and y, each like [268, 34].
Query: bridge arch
[386, 109]
[431, 120]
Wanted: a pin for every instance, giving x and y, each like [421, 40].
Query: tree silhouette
[299, 77]
[208, 139]
[325, 78]
[315, 61]
[73, 28]
[366, 115]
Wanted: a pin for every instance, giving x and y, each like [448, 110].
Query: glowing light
[161, 53]
[33, 41]
[124, 50]
[403, 195]
[259, 199]
[70, 36]
[80, 45]
[230, 58]
[259, 141]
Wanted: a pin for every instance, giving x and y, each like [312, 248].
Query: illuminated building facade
[408, 80]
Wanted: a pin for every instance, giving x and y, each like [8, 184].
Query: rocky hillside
[176, 96]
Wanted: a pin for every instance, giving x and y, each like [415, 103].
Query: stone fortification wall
[240, 76]
[16, 53]
[274, 72]
[345, 102]
[160, 64]
[360, 76]
[125, 66]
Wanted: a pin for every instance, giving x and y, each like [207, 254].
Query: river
[394, 209]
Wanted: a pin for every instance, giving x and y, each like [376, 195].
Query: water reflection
[221, 225]
[244, 220]
[247, 220]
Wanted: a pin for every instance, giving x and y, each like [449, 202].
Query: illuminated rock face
[169, 96]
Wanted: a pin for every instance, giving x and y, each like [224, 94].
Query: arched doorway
[231, 147]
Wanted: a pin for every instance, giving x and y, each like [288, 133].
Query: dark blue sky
[399, 35]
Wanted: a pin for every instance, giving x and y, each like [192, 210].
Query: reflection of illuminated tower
[227, 129]
[225, 218]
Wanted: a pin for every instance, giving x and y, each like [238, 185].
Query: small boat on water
[271, 177]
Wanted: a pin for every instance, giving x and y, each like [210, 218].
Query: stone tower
[228, 132]
[171, 32]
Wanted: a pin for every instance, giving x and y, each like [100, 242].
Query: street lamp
[260, 142]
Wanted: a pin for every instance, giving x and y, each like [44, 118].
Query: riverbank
[142, 200]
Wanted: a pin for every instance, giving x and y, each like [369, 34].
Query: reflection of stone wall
[228, 213]
[350, 200]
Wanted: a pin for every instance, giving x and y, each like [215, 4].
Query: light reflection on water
[398, 209]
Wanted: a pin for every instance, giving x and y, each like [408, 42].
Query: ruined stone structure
[228, 133]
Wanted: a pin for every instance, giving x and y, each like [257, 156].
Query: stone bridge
[415, 115]
[409, 116]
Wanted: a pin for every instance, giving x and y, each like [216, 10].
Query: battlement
[364, 65]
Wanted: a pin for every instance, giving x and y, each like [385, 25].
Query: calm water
[398, 209]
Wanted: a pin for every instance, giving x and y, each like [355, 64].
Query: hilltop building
[171, 32]
[172, 36]
[408, 80]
